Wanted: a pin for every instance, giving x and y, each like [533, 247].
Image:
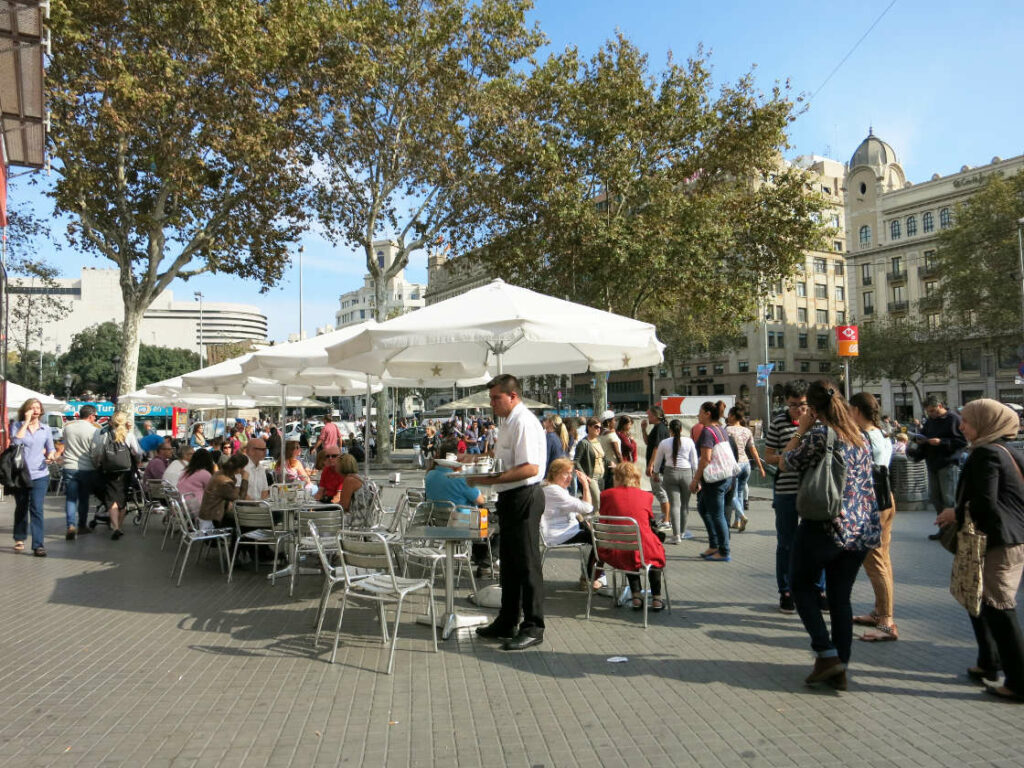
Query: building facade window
[838, 267]
[820, 291]
[927, 222]
[702, 370]
[840, 317]
[929, 260]
[865, 235]
[824, 367]
[780, 366]
[743, 366]
[865, 274]
[897, 265]
[933, 320]
[931, 288]
[823, 341]
[805, 366]
[780, 313]
[899, 294]
[719, 369]
[837, 246]
[801, 290]
[869, 302]
[820, 266]
[840, 293]
[821, 316]
[970, 359]
[911, 226]
[802, 341]
[894, 229]
[945, 218]
[801, 314]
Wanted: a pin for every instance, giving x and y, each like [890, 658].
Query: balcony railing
[930, 302]
[869, 310]
[898, 307]
[896, 277]
[927, 271]
[865, 280]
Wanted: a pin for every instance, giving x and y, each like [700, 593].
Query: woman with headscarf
[991, 488]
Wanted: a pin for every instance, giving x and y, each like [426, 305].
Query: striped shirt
[780, 430]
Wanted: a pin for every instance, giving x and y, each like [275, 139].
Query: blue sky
[940, 81]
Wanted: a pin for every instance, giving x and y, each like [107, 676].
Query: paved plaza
[108, 664]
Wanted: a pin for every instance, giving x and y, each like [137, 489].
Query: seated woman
[195, 478]
[341, 484]
[222, 490]
[563, 521]
[294, 471]
[627, 500]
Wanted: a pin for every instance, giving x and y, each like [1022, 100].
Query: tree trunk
[381, 398]
[600, 393]
[129, 371]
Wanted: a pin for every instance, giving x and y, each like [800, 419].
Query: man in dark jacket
[940, 446]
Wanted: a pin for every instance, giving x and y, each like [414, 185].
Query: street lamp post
[67, 386]
[650, 376]
[903, 403]
[199, 297]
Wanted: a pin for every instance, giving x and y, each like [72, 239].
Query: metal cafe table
[288, 509]
[450, 620]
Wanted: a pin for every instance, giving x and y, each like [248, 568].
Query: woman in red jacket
[627, 500]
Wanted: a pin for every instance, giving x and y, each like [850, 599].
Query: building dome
[873, 152]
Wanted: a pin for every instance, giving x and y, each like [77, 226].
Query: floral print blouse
[858, 527]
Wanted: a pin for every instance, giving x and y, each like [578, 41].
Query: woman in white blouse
[675, 460]
[177, 467]
[563, 521]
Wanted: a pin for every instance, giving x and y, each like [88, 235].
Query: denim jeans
[29, 502]
[740, 494]
[711, 506]
[942, 486]
[814, 550]
[786, 521]
[78, 485]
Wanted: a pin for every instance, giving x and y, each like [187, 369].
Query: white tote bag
[723, 463]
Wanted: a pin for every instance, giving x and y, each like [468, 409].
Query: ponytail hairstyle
[866, 403]
[737, 412]
[560, 430]
[675, 428]
[119, 426]
[831, 407]
[714, 410]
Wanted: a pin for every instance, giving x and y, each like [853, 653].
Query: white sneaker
[673, 540]
[663, 526]
[686, 536]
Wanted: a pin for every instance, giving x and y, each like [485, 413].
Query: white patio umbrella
[17, 395]
[482, 399]
[499, 328]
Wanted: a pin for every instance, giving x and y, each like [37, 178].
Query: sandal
[742, 525]
[708, 553]
[881, 634]
[638, 603]
[19, 546]
[657, 604]
[867, 620]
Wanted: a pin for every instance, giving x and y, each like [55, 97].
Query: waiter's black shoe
[935, 536]
[521, 642]
[496, 631]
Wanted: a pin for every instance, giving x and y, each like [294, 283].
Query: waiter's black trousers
[522, 580]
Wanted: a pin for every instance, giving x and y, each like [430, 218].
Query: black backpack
[117, 457]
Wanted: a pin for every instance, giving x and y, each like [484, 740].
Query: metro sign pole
[848, 344]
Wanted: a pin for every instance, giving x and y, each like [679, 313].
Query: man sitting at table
[256, 450]
[446, 484]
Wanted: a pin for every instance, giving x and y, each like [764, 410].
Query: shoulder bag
[820, 496]
[965, 582]
[14, 472]
[723, 462]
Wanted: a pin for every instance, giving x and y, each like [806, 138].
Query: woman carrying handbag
[838, 523]
[990, 495]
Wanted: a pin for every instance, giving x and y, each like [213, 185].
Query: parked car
[410, 438]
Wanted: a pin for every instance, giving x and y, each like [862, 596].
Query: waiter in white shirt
[522, 449]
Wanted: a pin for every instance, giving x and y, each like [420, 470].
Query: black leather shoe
[521, 642]
[495, 631]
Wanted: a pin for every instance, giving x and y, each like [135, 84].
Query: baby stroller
[133, 507]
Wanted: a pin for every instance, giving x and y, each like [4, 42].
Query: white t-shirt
[174, 472]
[685, 459]
[559, 523]
[257, 481]
[521, 440]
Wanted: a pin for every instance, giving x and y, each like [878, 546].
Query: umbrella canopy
[211, 401]
[499, 328]
[231, 378]
[482, 399]
[17, 395]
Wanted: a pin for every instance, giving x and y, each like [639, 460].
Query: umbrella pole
[284, 406]
[225, 416]
[366, 429]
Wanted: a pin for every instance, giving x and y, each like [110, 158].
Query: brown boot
[824, 669]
